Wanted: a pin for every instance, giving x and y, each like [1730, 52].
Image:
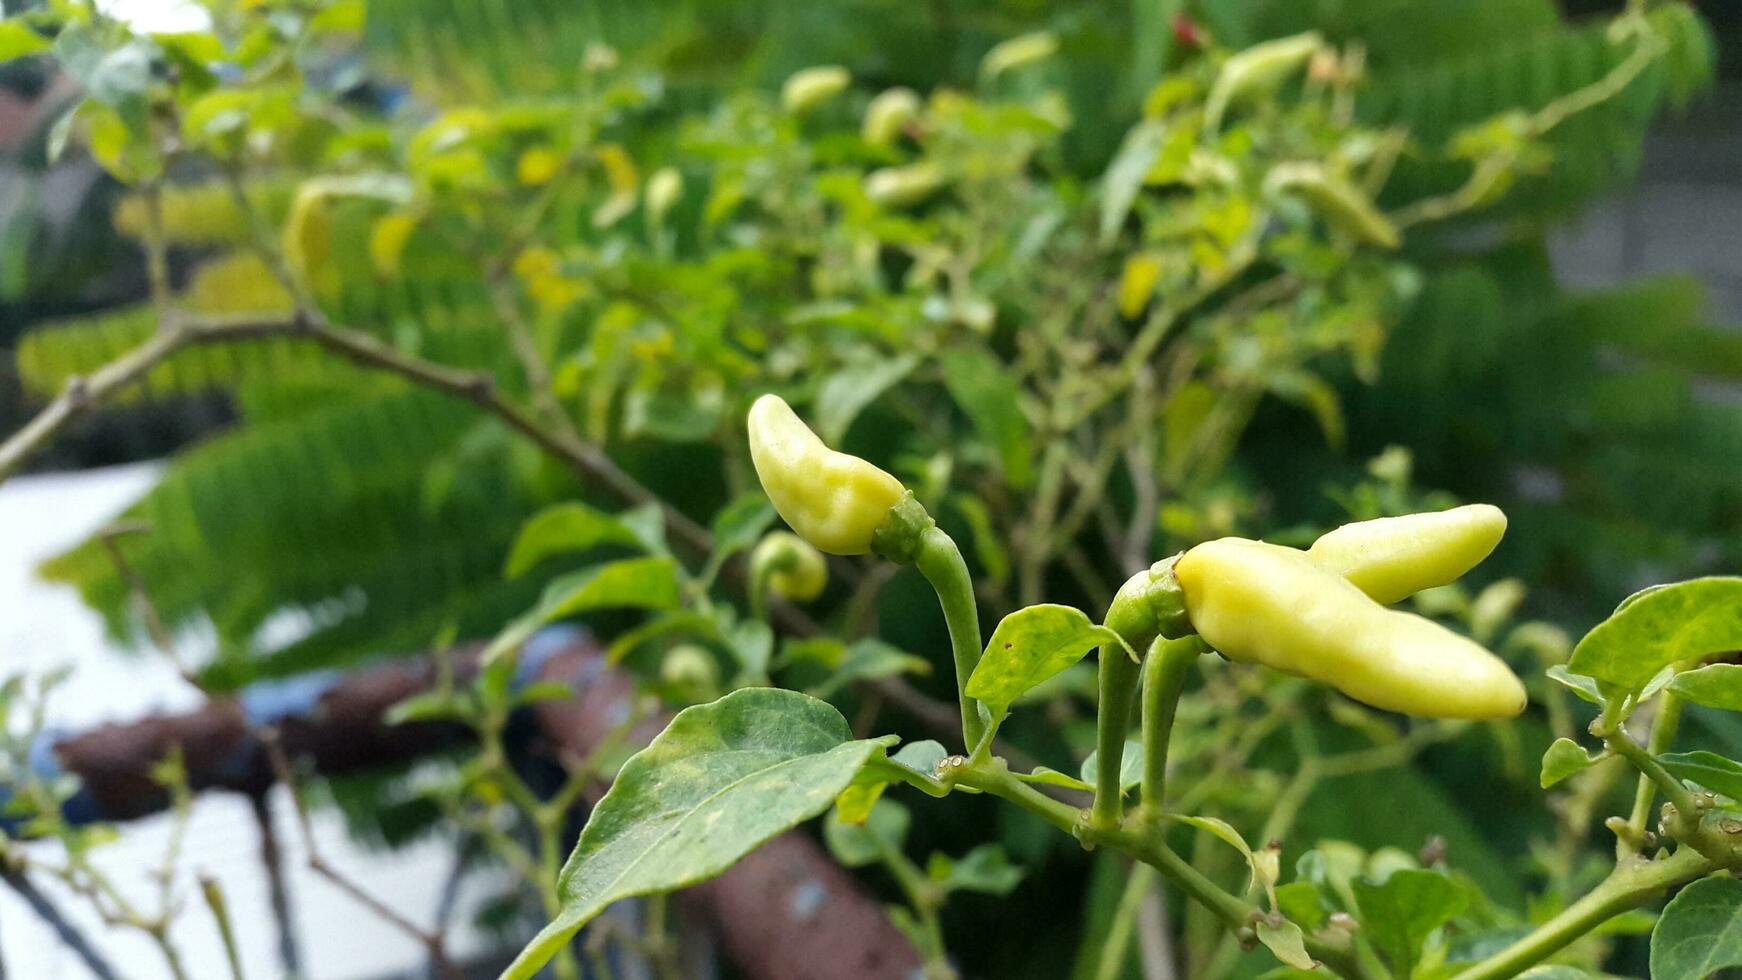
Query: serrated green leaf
[1700, 931]
[1709, 769]
[719, 781]
[845, 393]
[1398, 915]
[1660, 627]
[857, 844]
[563, 529]
[1564, 758]
[1287, 942]
[1029, 646]
[987, 393]
[1716, 686]
[1130, 766]
[632, 583]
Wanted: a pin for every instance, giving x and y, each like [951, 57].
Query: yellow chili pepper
[833, 500]
[1395, 557]
[887, 114]
[1267, 604]
[902, 187]
[810, 87]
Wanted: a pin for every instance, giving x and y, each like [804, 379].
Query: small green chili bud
[791, 567]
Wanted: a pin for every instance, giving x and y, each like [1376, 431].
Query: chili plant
[728, 775]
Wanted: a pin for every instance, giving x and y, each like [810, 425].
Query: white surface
[43, 625]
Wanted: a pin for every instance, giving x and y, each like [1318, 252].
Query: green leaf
[845, 393]
[1700, 931]
[1564, 758]
[1125, 175]
[1585, 687]
[988, 395]
[1711, 770]
[985, 869]
[632, 583]
[719, 781]
[1302, 903]
[428, 706]
[1287, 942]
[740, 523]
[1716, 686]
[752, 644]
[1678, 622]
[869, 659]
[857, 845]
[1225, 831]
[1399, 914]
[1130, 766]
[1052, 777]
[17, 40]
[1029, 646]
[562, 529]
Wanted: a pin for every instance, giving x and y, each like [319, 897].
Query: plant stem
[1115, 951]
[1163, 680]
[1118, 682]
[1663, 729]
[1633, 883]
[1143, 843]
[940, 561]
[1622, 744]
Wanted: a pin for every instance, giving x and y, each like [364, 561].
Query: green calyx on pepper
[833, 500]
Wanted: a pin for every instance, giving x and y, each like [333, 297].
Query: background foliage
[473, 185]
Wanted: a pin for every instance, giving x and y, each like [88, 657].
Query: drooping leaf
[1564, 758]
[1715, 686]
[1047, 776]
[1700, 931]
[1288, 943]
[719, 781]
[562, 529]
[1711, 770]
[1029, 646]
[1399, 914]
[845, 393]
[1678, 622]
[632, 583]
[1125, 175]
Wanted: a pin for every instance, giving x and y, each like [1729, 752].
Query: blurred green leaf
[1398, 914]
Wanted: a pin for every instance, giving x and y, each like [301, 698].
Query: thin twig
[432, 941]
[68, 934]
[272, 859]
